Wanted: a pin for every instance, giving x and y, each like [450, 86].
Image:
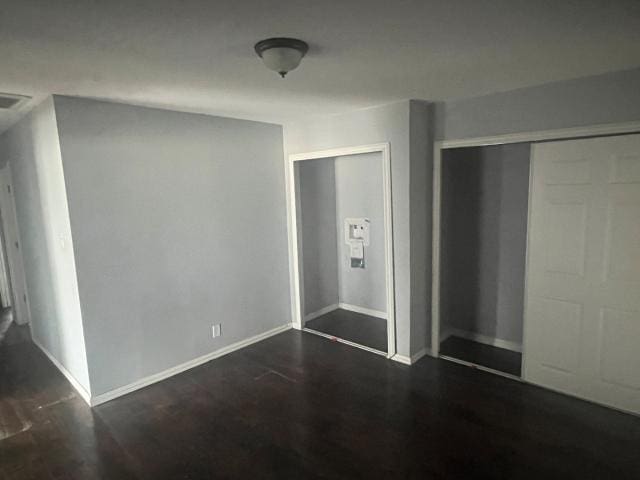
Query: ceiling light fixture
[281, 54]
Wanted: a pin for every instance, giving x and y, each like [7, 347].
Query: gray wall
[178, 223]
[421, 127]
[33, 152]
[387, 123]
[484, 230]
[331, 190]
[317, 193]
[359, 194]
[609, 98]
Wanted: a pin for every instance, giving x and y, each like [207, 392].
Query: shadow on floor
[496, 358]
[355, 327]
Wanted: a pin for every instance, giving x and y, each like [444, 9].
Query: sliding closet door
[582, 326]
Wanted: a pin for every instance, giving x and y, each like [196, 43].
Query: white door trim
[295, 237]
[6, 293]
[545, 135]
[13, 248]
[537, 136]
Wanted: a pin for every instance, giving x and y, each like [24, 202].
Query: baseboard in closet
[485, 339]
[345, 306]
[363, 310]
[318, 313]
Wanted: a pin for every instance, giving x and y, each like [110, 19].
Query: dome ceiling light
[281, 54]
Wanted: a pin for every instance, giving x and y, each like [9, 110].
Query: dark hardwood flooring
[489, 356]
[17, 334]
[355, 327]
[298, 406]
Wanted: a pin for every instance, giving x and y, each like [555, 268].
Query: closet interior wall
[483, 243]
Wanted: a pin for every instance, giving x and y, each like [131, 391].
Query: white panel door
[582, 326]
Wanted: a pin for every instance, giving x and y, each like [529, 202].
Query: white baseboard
[485, 339]
[413, 359]
[318, 313]
[417, 356]
[401, 359]
[86, 396]
[345, 306]
[118, 392]
[363, 310]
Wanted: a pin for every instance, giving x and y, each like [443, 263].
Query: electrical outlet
[216, 330]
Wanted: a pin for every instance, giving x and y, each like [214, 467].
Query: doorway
[342, 251]
[484, 208]
[14, 311]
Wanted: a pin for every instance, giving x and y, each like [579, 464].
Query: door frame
[295, 233]
[598, 130]
[13, 248]
[6, 288]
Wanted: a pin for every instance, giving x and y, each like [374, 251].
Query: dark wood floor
[299, 406]
[17, 334]
[355, 327]
[489, 356]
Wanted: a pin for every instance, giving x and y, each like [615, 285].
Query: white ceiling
[197, 55]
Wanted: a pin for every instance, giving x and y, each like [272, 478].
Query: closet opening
[343, 246]
[483, 243]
